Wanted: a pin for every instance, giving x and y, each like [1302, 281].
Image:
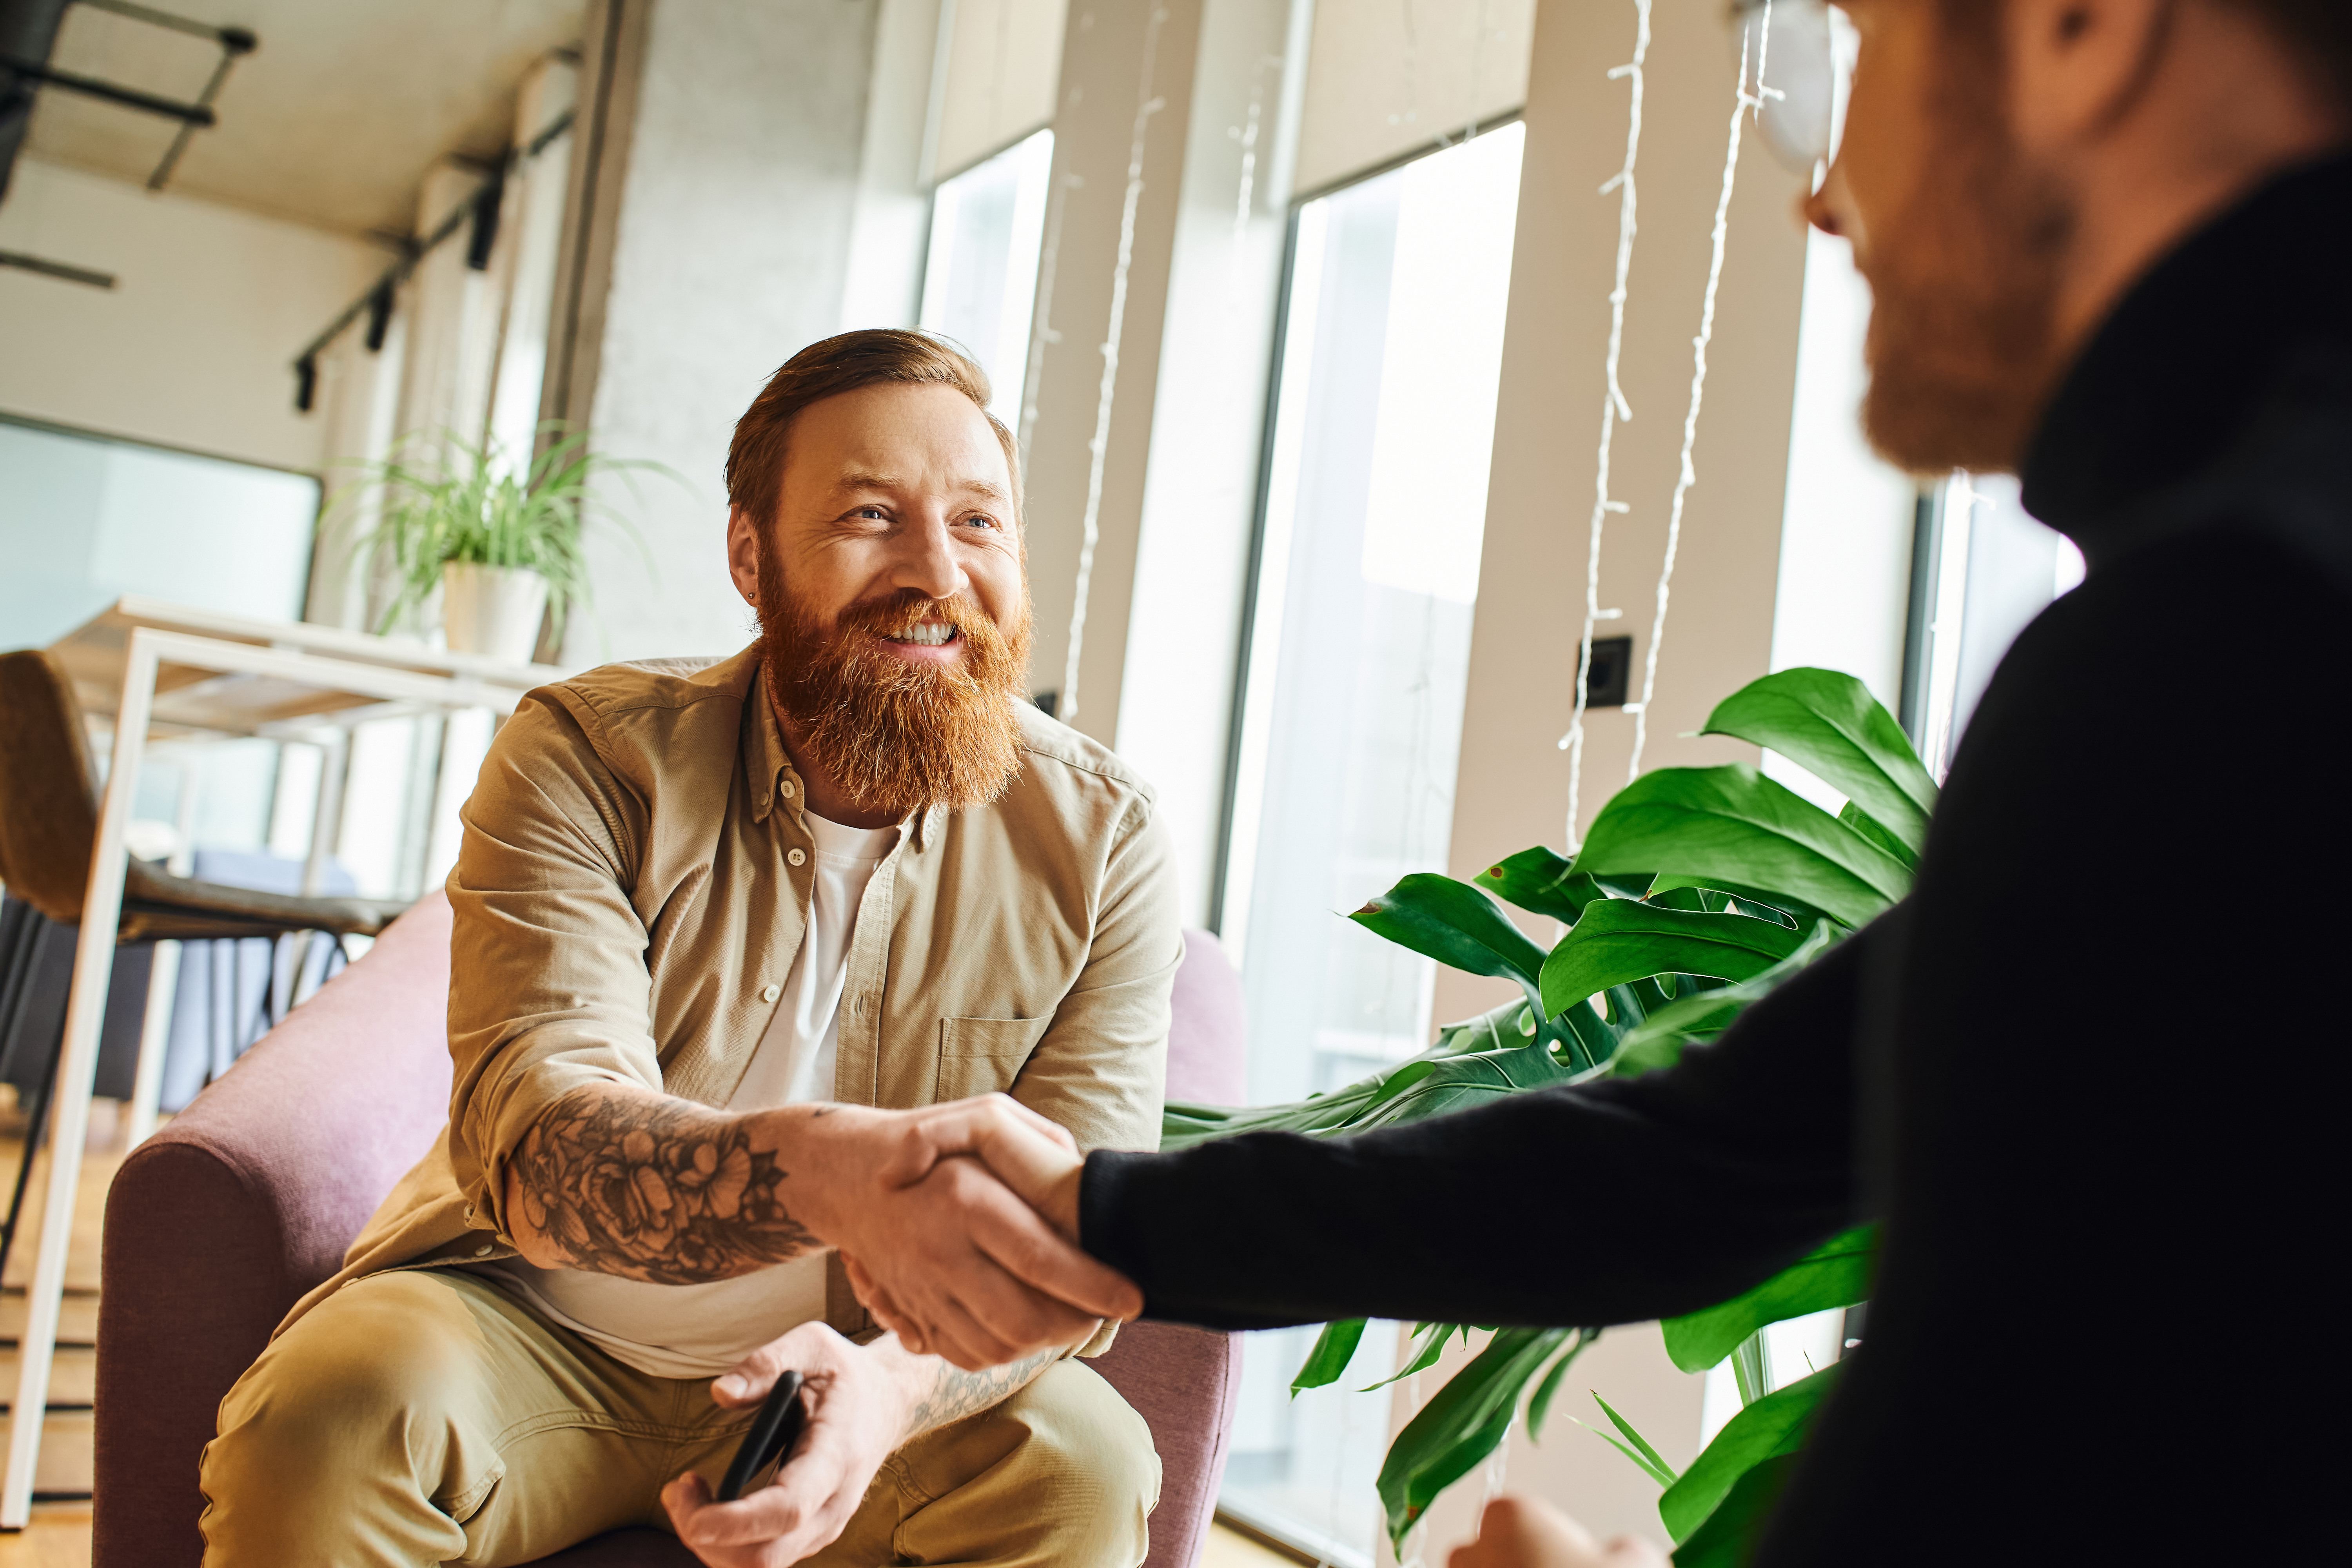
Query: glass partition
[979, 280]
[85, 520]
[1351, 727]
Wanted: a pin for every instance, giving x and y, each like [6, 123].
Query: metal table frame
[383, 673]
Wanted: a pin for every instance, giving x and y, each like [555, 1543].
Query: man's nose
[926, 563]
[1831, 208]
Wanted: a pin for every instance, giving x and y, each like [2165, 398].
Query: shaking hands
[958, 1224]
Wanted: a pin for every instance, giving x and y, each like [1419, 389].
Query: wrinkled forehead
[906, 439]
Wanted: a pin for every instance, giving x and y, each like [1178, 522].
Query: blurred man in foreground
[2088, 1074]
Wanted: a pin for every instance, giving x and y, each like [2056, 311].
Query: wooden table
[167, 671]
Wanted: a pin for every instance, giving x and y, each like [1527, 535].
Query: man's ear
[743, 545]
[2076, 67]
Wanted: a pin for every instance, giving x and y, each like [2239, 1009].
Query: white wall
[1845, 591]
[893, 201]
[1845, 530]
[194, 345]
[1117, 62]
[1386, 81]
[731, 252]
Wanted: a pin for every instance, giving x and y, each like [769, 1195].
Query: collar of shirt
[2186, 361]
[768, 769]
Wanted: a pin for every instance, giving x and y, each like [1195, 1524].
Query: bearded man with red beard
[740, 949]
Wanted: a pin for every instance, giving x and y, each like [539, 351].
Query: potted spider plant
[498, 542]
[1696, 891]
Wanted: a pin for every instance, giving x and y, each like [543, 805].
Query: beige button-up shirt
[635, 881]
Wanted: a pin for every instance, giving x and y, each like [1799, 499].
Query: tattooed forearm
[651, 1189]
[958, 1393]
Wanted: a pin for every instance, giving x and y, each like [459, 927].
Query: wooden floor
[60, 1534]
[1223, 1548]
[60, 1537]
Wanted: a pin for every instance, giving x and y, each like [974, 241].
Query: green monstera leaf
[1621, 940]
[1697, 890]
[1828, 723]
[1733, 829]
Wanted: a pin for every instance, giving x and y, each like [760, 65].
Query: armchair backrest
[219, 1223]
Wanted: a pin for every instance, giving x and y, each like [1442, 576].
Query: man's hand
[1517, 1532]
[857, 1416]
[623, 1181]
[1043, 1172]
[863, 1405]
[943, 1251]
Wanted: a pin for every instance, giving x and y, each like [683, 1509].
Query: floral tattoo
[955, 1394]
[655, 1190]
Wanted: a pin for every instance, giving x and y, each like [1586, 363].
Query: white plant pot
[494, 611]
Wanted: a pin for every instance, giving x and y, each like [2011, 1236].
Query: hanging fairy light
[1043, 335]
[1613, 407]
[1098, 449]
[1744, 102]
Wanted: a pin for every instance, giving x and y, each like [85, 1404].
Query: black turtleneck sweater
[2090, 1074]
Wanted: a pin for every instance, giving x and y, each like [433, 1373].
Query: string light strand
[1090, 526]
[1247, 137]
[1043, 335]
[1614, 409]
[1687, 475]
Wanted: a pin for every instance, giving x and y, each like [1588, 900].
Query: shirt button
[484, 1251]
[772, 992]
[786, 789]
[796, 856]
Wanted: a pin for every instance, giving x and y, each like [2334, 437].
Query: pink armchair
[220, 1222]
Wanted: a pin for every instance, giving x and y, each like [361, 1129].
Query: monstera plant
[1696, 891]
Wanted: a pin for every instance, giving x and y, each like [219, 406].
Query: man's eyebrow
[875, 480]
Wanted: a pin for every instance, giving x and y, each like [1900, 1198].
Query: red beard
[1962, 348]
[895, 735]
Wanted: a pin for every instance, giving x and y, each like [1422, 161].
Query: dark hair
[867, 357]
[2317, 32]
[2321, 30]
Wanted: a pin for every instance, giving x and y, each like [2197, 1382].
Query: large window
[1982, 568]
[980, 282]
[85, 520]
[1351, 728]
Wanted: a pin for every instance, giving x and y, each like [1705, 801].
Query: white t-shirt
[700, 1331]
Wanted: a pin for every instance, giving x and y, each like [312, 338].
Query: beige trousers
[425, 1416]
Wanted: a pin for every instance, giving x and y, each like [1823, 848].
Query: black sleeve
[1611, 1202]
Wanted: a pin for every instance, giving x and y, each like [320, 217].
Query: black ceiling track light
[196, 116]
[478, 214]
[64, 271]
[487, 202]
[379, 314]
[28, 36]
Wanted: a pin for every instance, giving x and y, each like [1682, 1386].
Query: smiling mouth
[928, 634]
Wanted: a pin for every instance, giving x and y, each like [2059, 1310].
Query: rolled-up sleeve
[1100, 1069]
[548, 983]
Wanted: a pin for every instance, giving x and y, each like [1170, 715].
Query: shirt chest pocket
[983, 1055]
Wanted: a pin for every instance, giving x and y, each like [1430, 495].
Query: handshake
[958, 1224]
